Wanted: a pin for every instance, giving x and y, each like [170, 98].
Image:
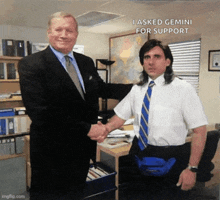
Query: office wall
[23, 33]
[96, 45]
[209, 83]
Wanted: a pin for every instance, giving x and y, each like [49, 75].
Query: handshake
[98, 132]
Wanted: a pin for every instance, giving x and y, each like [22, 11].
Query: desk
[116, 153]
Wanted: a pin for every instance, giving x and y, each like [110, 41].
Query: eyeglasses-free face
[62, 34]
[155, 62]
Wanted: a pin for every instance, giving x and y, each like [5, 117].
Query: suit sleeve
[116, 91]
[33, 92]
[110, 90]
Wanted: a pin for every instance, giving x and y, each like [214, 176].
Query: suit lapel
[80, 65]
[54, 64]
[84, 70]
[56, 67]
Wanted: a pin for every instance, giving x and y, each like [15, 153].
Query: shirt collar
[60, 55]
[158, 81]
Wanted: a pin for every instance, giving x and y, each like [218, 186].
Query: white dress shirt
[174, 108]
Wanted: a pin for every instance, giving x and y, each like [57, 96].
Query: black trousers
[66, 181]
[136, 186]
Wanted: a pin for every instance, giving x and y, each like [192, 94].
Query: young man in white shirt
[174, 109]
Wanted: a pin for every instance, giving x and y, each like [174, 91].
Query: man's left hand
[187, 180]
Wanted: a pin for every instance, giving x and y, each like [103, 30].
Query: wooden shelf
[15, 98]
[8, 80]
[13, 135]
[12, 58]
[15, 101]
[13, 116]
[5, 157]
[11, 104]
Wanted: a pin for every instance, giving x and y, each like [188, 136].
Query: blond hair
[61, 14]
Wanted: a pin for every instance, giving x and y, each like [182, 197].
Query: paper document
[129, 121]
[121, 133]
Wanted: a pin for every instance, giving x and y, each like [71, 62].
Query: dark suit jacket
[61, 119]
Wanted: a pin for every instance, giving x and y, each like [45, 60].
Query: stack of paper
[129, 121]
[114, 142]
[118, 134]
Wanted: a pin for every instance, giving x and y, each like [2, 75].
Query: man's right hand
[98, 132]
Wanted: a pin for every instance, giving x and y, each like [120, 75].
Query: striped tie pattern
[143, 139]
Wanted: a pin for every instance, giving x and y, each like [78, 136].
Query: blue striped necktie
[143, 139]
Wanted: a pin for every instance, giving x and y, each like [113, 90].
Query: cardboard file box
[100, 181]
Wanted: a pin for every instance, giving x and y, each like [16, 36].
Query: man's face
[155, 62]
[62, 34]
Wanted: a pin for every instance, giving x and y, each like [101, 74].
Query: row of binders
[9, 146]
[19, 48]
[10, 47]
[8, 71]
[14, 121]
[95, 173]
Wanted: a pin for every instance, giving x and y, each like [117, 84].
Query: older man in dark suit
[63, 129]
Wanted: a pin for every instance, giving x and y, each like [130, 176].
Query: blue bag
[153, 166]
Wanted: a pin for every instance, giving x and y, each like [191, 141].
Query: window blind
[187, 61]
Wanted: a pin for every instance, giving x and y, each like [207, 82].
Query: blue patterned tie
[143, 139]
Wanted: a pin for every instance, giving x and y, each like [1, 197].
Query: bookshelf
[15, 155]
[9, 69]
[11, 144]
[9, 77]
[9, 81]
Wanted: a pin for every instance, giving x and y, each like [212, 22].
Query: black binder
[8, 47]
[2, 70]
[11, 71]
[29, 48]
[19, 48]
